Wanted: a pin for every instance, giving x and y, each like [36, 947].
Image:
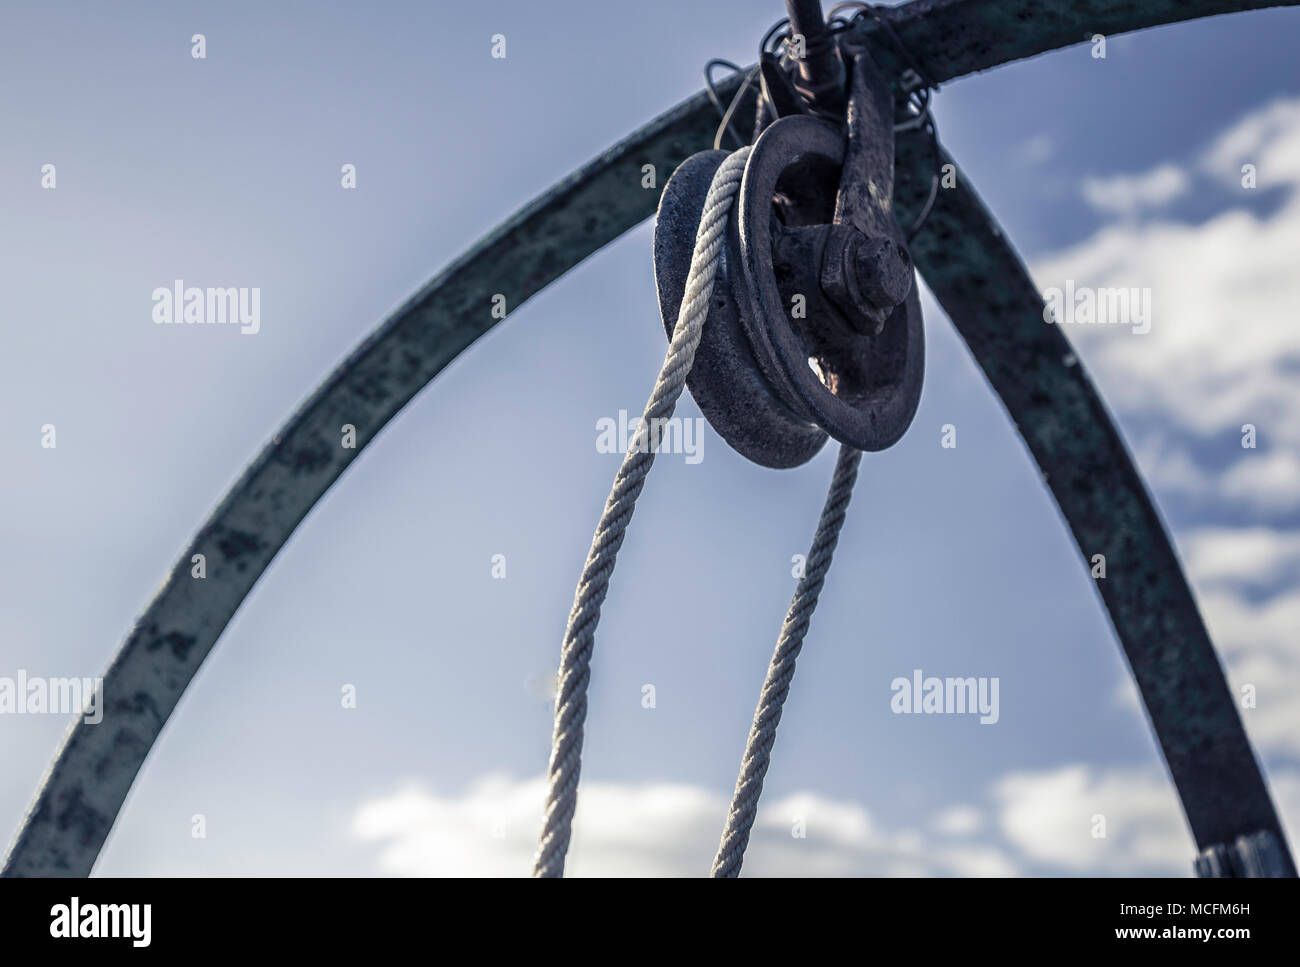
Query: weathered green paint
[952, 38]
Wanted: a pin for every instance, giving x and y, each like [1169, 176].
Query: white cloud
[1042, 822]
[1268, 138]
[653, 829]
[1223, 343]
[1286, 796]
[1168, 468]
[1052, 816]
[959, 821]
[1128, 194]
[1222, 296]
[1268, 482]
[1241, 556]
[1037, 150]
[1262, 649]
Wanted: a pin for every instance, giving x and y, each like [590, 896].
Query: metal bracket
[1257, 855]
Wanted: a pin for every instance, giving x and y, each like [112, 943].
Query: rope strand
[762, 734]
[579, 636]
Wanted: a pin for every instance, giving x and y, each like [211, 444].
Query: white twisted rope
[762, 734]
[579, 636]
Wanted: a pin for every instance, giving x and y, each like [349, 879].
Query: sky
[225, 171]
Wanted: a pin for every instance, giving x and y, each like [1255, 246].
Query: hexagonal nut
[859, 276]
[883, 270]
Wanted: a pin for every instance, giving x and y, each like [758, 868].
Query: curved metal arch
[93, 771]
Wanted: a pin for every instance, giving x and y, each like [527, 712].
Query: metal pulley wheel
[815, 326]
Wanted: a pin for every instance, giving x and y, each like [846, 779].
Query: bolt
[883, 271]
[865, 277]
[819, 74]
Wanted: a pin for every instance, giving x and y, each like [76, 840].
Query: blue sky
[225, 172]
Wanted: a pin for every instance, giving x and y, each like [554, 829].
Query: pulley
[815, 325]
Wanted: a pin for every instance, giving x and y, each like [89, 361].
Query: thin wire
[712, 88]
[731, 109]
[579, 636]
[711, 85]
[771, 32]
[934, 186]
[774, 41]
[776, 687]
[875, 12]
[850, 5]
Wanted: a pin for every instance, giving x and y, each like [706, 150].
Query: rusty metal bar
[951, 38]
[95, 767]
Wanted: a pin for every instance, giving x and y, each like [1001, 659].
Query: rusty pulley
[815, 327]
